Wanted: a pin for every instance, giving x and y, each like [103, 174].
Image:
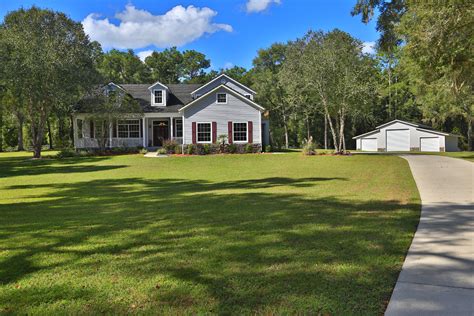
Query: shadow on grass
[227, 251]
[25, 166]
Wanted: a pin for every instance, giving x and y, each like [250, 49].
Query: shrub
[268, 148]
[162, 151]
[67, 153]
[190, 149]
[206, 149]
[84, 153]
[231, 148]
[309, 148]
[178, 149]
[170, 146]
[143, 151]
[249, 148]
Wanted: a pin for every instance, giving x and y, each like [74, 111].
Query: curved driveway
[437, 277]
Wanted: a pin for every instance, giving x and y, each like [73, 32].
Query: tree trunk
[325, 132]
[341, 131]
[285, 125]
[20, 133]
[333, 132]
[50, 137]
[308, 128]
[1, 130]
[37, 131]
[469, 131]
[71, 131]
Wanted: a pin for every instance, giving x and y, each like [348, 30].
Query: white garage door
[398, 140]
[368, 144]
[429, 143]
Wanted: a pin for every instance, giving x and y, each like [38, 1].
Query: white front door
[368, 144]
[398, 140]
[429, 143]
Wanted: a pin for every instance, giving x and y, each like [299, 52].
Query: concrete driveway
[437, 277]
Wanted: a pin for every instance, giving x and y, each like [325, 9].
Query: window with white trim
[222, 98]
[128, 128]
[178, 128]
[204, 132]
[240, 132]
[158, 96]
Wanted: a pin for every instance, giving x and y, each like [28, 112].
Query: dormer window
[248, 96]
[222, 98]
[158, 96]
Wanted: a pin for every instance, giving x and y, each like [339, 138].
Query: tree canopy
[47, 63]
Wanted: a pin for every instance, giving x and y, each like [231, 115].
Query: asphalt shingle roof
[179, 95]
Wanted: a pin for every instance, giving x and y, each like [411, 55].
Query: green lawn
[234, 234]
[468, 155]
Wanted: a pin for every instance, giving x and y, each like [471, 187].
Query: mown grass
[234, 234]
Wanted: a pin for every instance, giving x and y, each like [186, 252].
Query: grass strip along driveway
[233, 234]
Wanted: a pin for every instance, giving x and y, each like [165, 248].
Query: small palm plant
[222, 140]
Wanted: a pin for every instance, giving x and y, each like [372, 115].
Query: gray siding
[207, 110]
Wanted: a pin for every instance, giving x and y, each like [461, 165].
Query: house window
[240, 132]
[80, 132]
[222, 98]
[248, 96]
[203, 132]
[128, 128]
[98, 130]
[178, 128]
[158, 97]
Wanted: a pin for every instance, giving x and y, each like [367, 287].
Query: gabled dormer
[112, 88]
[159, 94]
[224, 79]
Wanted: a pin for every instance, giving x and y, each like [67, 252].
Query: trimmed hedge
[69, 152]
[207, 149]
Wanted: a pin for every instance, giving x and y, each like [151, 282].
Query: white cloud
[259, 5]
[139, 28]
[144, 54]
[228, 65]
[368, 47]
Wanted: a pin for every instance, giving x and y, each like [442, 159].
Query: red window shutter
[250, 132]
[194, 132]
[229, 129]
[214, 132]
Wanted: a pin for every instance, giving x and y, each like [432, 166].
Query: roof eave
[235, 93]
[230, 78]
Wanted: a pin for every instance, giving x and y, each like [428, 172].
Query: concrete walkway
[437, 277]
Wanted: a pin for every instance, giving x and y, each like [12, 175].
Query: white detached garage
[399, 135]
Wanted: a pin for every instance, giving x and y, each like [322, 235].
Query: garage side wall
[451, 143]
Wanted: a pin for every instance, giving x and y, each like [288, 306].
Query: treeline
[321, 85]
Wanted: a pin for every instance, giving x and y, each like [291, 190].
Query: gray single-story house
[185, 113]
[399, 135]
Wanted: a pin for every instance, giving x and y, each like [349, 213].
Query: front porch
[158, 129]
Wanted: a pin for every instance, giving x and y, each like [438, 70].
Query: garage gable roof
[366, 134]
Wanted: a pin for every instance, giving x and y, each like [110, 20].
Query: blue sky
[229, 32]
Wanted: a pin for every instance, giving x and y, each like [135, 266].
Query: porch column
[143, 132]
[171, 123]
